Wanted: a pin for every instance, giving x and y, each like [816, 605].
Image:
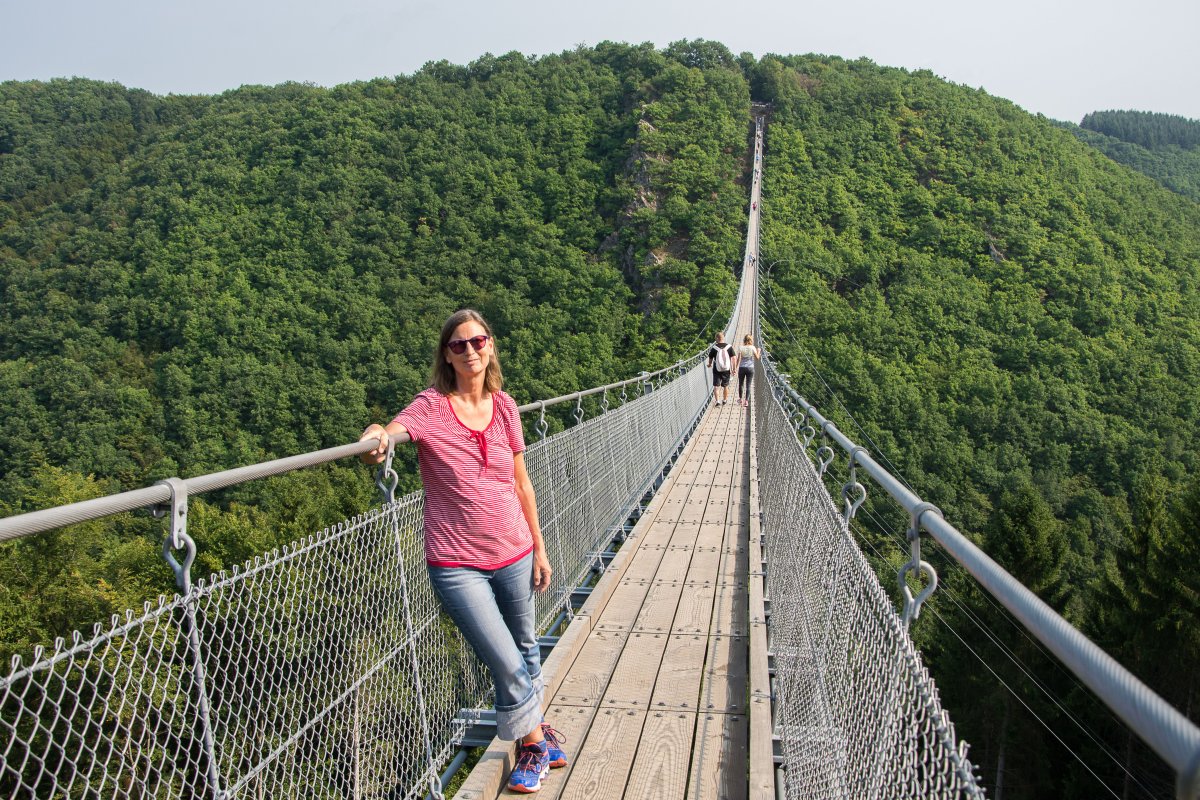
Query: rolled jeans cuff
[514, 722]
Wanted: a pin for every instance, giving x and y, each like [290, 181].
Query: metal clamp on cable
[850, 508]
[824, 452]
[386, 479]
[579, 410]
[912, 605]
[177, 537]
[543, 426]
[809, 433]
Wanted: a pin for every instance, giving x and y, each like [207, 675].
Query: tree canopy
[1014, 322]
[196, 283]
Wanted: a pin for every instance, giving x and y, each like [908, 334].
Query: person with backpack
[722, 359]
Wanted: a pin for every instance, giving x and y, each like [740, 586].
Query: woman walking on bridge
[747, 354]
[483, 546]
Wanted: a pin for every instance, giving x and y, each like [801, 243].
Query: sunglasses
[459, 346]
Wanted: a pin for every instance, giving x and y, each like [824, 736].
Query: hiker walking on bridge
[747, 354]
[721, 358]
[483, 545]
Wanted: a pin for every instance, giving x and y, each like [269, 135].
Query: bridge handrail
[21, 525]
[681, 364]
[1168, 732]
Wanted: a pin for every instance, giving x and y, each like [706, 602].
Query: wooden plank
[762, 748]
[657, 534]
[685, 535]
[643, 566]
[672, 509]
[694, 613]
[573, 723]
[719, 758]
[660, 769]
[658, 610]
[587, 678]
[725, 674]
[674, 564]
[681, 673]
[712, 534]
[699, 494]
[607, 754]
[705, 566]
[731, 615]
[622, 607]
[633, 677]
[716, 515]
[734, 565]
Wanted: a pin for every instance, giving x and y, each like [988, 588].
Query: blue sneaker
[554, 743]
[533, 762]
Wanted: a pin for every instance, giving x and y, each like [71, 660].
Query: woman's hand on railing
[375, 431]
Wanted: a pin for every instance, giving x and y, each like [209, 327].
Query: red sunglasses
[459, 346]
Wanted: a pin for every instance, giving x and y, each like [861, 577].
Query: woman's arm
[382, 433]
[541, 562]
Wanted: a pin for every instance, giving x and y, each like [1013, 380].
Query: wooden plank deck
[652, 692]
[665, 681]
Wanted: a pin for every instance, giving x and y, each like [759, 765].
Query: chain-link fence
[856, 713]
[323, 669]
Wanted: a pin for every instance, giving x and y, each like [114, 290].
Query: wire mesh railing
[856, 712]
[1168, 732]
[322, 669]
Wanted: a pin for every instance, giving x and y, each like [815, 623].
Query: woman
[483, 546]
[746, 356]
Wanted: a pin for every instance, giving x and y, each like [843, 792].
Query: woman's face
[470, 362]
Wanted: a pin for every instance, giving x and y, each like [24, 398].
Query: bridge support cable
[1163, 728]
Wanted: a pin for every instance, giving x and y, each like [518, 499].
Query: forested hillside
[1174, 165]
[1015, 322]
[1164, 146]
[197, 283]
[194, 283]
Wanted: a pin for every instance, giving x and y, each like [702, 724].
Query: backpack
[721, 359]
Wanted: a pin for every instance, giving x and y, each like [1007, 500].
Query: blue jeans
[494, 611]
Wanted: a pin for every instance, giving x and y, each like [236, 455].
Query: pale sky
[1061, 58]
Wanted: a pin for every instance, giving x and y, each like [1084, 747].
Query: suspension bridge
[712, 630]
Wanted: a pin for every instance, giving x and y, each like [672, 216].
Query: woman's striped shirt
[473, 517]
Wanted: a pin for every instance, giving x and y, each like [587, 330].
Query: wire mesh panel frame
[322, 669]
[856, 713]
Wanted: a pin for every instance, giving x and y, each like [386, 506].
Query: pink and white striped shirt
[473, 517]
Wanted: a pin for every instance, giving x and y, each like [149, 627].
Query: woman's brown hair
[441, 375]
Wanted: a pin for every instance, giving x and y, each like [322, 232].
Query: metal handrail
[21, 525]
[538, 405]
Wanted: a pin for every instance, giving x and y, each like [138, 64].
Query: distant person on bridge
[747, 354]
[720, 358]
[483, 545]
